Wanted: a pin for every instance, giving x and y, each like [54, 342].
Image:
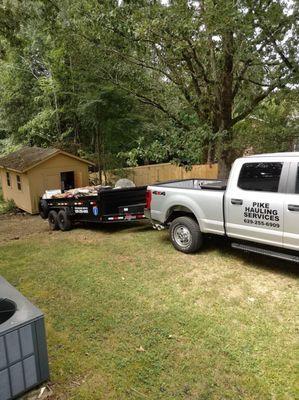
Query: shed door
[67, 180]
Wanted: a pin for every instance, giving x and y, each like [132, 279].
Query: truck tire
[64, 221]
[43, 209]
[185, 235]
[53, 220]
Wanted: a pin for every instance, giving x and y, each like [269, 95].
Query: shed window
[7, 178]
[19, 182]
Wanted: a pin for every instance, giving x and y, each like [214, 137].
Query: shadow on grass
[117, 227]
[223, 246]
[257, 261]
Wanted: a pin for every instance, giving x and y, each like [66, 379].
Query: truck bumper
[156, 224]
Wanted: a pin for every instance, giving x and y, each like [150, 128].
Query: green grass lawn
[216, 325]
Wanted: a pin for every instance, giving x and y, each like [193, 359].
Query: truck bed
[197, 184]
[201, 197]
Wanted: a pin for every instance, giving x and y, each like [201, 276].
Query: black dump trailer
[108, 206]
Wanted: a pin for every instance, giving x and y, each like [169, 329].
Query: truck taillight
[148, 199]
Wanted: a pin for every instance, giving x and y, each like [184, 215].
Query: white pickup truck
[257, 208]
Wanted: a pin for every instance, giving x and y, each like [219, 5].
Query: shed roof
[28, 157]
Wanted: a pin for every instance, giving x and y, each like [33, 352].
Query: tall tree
[223, 57]
[53, 87]
[204, 67]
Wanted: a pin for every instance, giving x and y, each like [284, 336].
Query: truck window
[262, 177]
[297, 181]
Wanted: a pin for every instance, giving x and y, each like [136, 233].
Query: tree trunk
[225, 155]
[98, 153]
[103, 160]
[226, 105]
[224, 166]
[75, 117]
[211, 153]
[58, 128]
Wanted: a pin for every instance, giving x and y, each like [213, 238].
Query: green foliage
[38, 130]
[7, 145]
[6, 207]
[149, 80]
[219, 60]
[273, 127]
[169, 144]
[56, 94]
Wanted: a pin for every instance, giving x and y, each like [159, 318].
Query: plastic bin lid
[25, 310]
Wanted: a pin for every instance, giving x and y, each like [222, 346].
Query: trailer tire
[53, 220]
[185, 235]
[43, 209]
[64, 221]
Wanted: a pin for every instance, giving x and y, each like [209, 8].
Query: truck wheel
[185, 235]
[64, 221]
[53, 220]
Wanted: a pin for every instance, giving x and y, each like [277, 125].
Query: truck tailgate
[111, 201]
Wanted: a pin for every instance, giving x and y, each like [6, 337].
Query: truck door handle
[237, 201]
[293, 207]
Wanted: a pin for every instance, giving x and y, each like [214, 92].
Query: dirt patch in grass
[19, 226]
[24, 226]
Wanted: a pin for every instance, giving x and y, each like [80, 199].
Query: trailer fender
[43, 209]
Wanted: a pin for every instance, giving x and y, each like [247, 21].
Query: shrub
[7, 206]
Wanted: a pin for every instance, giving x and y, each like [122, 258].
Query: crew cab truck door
[291, 210]
[254, 202]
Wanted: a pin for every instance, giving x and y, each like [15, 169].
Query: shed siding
[46, 176]
[22, 198]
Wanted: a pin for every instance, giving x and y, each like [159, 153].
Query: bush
[6, 206]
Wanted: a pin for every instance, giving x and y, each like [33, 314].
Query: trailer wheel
[64, 221]
[43, 209]
[53, 220]
[185, 235]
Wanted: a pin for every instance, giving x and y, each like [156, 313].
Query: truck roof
[284, 154]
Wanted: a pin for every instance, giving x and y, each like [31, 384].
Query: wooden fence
[148, 174]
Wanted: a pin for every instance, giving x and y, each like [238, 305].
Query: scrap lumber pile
[75, 193]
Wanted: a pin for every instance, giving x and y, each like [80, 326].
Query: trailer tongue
[105, 205]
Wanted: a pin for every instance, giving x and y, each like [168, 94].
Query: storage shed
[28, 172]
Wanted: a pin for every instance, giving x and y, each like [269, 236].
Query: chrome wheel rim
[182, 236]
